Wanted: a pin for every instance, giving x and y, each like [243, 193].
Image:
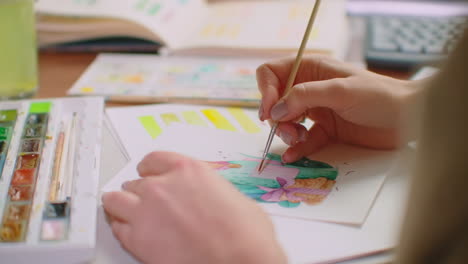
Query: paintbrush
[292, 77]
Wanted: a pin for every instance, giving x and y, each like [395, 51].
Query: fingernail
[124, 184]
[260, 111]
[302, 135]
[287, 157]
[287, 138]
[279, 110]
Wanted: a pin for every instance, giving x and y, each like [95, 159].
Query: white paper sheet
[360, 172]
[310, 241]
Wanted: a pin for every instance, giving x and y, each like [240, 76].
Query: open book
[194, 26]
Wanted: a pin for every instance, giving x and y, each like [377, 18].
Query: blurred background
[395, 38]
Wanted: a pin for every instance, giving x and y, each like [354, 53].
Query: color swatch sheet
[50, 155]
[197, 78]
[338, 184]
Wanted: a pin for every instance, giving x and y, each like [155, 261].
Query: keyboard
[405, 41]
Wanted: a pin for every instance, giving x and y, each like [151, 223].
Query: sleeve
[435, 229]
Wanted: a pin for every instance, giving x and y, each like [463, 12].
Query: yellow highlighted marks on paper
[244, 120]
[170, 118]
[299, 11]
[176, 69]
[218, 119]
[87, 89]
[193, 118]
[221, 30]
[150, 125]
[235, 31]
[231, 31]
[208, 31]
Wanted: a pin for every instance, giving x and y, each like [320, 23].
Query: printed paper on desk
[338, 184]
[154, 76]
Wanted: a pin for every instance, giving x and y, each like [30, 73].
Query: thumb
[304, 96]
[159, 162]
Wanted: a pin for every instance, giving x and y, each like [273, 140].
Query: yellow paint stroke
[176, 69]
[193, 118]
[87, 89]
[170, 118]
[150, 125]
[244, 120]
[293, 12]
[133, 79]
[299, 12]
[221, 30]
[235, 31]
[218, 119]
[207, 31]
[114, 77]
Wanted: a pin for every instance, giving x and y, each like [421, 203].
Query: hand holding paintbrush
[291, 78]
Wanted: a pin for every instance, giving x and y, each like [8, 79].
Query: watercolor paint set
[49, 174]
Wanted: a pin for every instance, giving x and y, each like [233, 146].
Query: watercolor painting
[304, 181]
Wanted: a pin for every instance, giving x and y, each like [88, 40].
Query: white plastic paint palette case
[49, 165]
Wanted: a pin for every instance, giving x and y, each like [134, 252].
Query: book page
[169, 20]
[337, 184]
[272, 25]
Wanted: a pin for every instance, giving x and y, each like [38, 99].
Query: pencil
[71, 159]
[54, 184]
[292, 77]
[63, 160]
[136, 99]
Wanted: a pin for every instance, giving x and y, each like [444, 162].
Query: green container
[18, 52]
